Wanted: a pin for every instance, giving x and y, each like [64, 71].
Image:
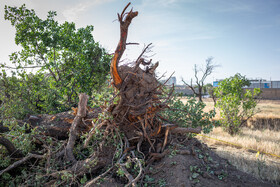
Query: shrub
[190, 114]
[236, 104]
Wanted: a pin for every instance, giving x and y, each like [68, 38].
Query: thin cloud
[233, 6]
[72, 14]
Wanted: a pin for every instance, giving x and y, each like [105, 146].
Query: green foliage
[120, 172]
[190, 114]
[67, 61]
[21, 140]
[236, 104]
[103, 96]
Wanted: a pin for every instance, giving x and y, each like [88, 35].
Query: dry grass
[262, 134]
[265, 167]
[261, 140]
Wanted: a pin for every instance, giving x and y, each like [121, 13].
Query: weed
[162, 182]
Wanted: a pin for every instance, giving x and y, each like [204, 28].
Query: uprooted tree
[130, 130]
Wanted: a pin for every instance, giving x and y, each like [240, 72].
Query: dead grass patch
[261, 167]
[264, 166]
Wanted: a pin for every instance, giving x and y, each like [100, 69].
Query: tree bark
[82, 112]
[124, 24]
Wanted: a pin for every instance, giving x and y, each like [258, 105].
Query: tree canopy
[68, 60]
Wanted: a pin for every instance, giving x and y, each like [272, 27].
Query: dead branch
[124, 24]
[17, 163]
[134, 181]
[25, 67]
[187, 130]
[89, 165]
[93, 181]
[91, 133]
[132, 43]
[140, 59]
[82, 109]
[165, 138]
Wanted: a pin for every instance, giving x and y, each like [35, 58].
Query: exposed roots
[133, 137]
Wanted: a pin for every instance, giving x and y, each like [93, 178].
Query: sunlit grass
[261, 140]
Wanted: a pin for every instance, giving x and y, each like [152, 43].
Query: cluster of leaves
[236, 104]
[190, 114]
[67, 61]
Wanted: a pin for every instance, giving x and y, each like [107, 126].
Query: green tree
[67, 60]
[236, 104]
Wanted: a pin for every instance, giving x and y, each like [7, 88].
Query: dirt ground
[191, 163]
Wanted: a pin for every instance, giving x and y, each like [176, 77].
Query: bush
[190, 114]
[236, 104]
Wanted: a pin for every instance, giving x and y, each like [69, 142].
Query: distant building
[262, 83]
[270, 89]
[256, 83]
[170, 82]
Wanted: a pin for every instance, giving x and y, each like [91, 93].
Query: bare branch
[25, 67]
[132, 43]
[18, 163]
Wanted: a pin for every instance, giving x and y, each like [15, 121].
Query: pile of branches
[135, 134]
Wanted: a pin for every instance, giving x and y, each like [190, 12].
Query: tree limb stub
[124, 24]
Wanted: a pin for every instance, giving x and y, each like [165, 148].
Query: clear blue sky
[242, 35]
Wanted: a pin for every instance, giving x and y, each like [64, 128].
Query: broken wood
[82, 111]
[124, 24]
